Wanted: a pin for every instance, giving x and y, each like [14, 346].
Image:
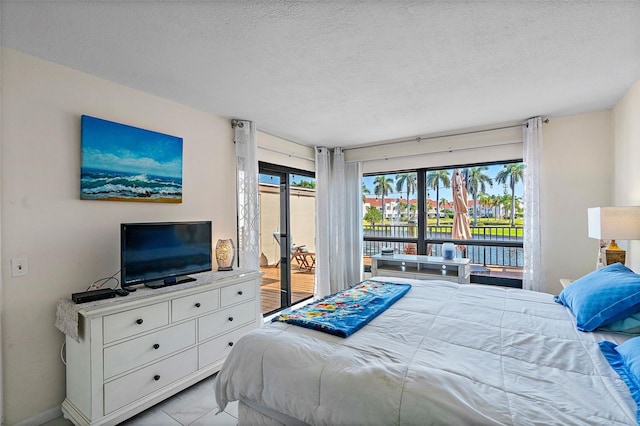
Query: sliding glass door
[287, 236]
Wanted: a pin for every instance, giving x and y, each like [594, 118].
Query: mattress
[445, 353]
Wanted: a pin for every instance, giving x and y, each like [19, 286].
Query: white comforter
[443, 354]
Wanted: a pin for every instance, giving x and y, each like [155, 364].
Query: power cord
[97, 284]
[64, 361]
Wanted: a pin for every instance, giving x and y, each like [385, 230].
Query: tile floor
[195, 406]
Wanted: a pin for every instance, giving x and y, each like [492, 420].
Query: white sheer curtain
[533, 275]
[323, 222]
[338, 222]
[352, 211]
[248, 249]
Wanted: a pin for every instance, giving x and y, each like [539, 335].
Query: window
[412, 211]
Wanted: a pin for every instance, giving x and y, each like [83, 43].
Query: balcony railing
[498, 246]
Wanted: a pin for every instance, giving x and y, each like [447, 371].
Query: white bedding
[443, 354]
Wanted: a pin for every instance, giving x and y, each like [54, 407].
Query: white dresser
[134, 351]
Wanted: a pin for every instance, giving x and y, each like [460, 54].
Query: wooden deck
[302, 283]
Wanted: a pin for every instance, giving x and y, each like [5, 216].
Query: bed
[444, 353]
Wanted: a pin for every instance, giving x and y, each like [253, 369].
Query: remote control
[122, 292]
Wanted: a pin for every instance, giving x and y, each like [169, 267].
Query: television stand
[421, 267]
[169, 281]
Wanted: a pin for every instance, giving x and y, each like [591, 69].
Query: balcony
[495, 251]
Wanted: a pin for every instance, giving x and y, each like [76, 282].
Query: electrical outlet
[19, 267]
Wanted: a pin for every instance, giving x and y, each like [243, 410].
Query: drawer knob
[230, 318]
[156, 346]
[139, 321]
[230, 343]
[198, 305]
[240, 292]
[156, 377]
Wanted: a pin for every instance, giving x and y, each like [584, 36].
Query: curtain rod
[236, 122]
[288, 154]
[444, 151]
[426, 138]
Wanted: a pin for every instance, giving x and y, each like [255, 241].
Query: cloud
[126, 161]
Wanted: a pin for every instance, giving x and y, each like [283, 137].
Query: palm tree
[505, 204]
[435, 179]
[496, 203]
[477, 184]
[382, 187]
[443, 202]
[512, 174]
[485, 201]
[365, 190]
[311, 184]
[410, 181]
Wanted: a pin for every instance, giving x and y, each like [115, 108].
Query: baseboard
[42, 418]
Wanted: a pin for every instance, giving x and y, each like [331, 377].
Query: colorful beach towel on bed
[345, 312]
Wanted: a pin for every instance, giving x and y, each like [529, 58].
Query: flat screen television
[164, 253]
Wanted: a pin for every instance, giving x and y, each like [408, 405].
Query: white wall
[576, 174]
[70, 242]
[626, 173]
[275, 150]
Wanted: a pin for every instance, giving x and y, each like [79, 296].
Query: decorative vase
[225, 255]
[448, 251]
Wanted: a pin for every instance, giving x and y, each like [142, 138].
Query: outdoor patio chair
[303, 257]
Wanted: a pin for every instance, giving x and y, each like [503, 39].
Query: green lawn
[486, 226]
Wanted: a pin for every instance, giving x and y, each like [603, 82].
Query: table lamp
[225, 255]
[614, 223]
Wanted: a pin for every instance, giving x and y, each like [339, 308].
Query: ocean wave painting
[125, 163]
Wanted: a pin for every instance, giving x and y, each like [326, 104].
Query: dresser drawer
[237, 293]
[135, 321]
[148, 348]
[196, 304]
[226, 319]
[218, 348]
[131, 387]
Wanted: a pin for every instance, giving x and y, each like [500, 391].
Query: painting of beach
[125, 163]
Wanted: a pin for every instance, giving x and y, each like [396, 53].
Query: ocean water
[104, 184]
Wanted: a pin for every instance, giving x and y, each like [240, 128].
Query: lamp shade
[614, 223]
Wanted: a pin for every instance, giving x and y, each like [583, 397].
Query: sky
[493, 170]
[496, 189]
[116, 147]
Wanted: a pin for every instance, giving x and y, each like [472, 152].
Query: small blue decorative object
[448, 251]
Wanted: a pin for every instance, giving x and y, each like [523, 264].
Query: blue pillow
[628, 325]
[625, 360]
[606, 295]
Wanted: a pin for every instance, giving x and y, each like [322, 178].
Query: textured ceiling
[345, 73]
